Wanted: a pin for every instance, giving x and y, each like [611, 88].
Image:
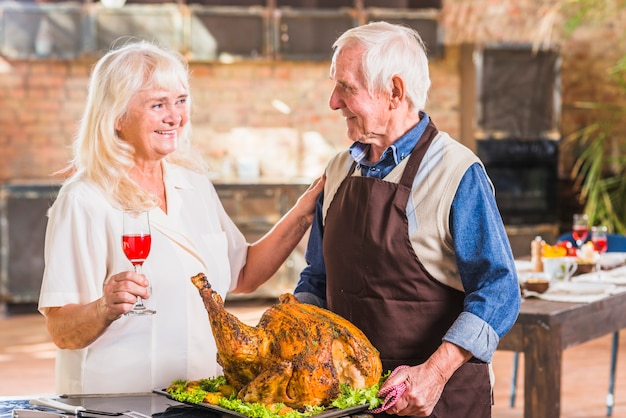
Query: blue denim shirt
[483, 254]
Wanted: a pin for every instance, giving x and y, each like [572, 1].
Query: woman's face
[154, 121]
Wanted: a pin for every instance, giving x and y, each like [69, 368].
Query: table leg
[542, 385]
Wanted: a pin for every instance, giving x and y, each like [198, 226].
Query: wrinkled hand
[306, 202]
[424, 385]
[120, 293]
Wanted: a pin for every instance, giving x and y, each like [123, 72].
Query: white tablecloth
[587, 287]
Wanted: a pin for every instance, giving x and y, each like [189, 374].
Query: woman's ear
[118, 123]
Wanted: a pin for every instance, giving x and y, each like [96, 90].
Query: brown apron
[375, 280]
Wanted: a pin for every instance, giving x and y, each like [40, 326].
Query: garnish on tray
[217, 391]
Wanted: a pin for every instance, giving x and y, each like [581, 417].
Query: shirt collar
[174, 176]
[396, 152]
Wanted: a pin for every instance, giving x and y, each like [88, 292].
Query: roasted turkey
[298, 354]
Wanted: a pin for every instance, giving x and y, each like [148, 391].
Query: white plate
[612, 260]
[616, 276]
[574, 288]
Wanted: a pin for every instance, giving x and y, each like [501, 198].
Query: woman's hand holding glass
[136, 243]
[120, 292]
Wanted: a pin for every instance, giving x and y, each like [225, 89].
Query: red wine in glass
[599, 239]
[579, 233]
[580, 228]
[600, 244]
[136, 242]
[136, 248]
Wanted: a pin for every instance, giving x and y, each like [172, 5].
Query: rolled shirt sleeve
[486, 266]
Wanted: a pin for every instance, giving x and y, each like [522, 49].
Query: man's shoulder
[453, 143]
[455, 150]
[339, 164]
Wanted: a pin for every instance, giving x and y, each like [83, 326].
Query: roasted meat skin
[298, 354]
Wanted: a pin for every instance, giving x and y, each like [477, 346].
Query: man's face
[367, 116]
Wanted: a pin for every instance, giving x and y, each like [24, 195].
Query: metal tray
[227, 413]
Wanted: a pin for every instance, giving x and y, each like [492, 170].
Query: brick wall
[41, 100]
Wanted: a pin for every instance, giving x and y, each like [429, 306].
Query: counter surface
[149, 404]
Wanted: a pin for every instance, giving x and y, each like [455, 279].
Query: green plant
[600, 175]
[600, 168]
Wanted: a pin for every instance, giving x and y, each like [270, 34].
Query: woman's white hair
[100, 155]
[390, 50]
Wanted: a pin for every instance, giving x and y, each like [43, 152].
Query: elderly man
[408, 242]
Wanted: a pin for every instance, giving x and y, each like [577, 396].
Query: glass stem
[139, 304]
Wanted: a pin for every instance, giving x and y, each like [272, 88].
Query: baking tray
[227, 413]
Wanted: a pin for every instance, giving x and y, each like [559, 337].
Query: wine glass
[580, 228]
[599, 239]
[136, 241]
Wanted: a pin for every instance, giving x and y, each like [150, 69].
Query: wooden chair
[616, 243]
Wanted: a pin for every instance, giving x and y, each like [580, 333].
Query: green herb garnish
[350, 397]
[213, 384]
[182, 391]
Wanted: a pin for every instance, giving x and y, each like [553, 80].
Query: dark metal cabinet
[23, 220]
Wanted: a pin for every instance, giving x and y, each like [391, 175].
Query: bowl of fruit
[537, 282]
[588, 258]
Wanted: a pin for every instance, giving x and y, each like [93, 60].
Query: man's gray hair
[390, 50]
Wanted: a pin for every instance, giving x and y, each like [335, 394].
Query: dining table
[552, 322]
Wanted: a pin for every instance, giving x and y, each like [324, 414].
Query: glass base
[143, 311]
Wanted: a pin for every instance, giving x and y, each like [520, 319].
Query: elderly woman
[132, 152]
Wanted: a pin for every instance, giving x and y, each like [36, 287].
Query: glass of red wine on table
[136, 242]
[580, 229]
[599, 239]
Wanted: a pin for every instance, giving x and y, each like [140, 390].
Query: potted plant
[600, 147]
[600, 170]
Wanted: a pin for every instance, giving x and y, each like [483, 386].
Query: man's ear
[397, 91]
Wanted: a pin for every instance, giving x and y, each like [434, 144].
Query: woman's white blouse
[83, 248]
